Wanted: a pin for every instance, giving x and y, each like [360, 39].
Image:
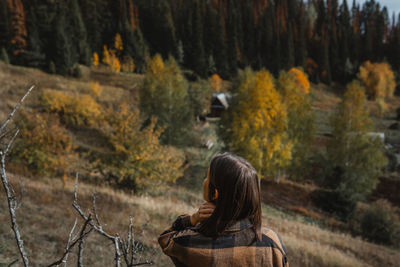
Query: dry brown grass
[46, 216]
[15, 80]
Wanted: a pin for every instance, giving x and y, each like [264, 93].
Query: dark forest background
[329, 39]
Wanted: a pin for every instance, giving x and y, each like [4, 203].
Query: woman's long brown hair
[238, 195]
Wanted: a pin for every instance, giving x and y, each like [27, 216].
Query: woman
[226, 230]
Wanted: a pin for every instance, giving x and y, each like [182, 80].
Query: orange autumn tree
[18, 26]
[216, 83]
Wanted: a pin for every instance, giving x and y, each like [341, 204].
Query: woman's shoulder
[272, 237]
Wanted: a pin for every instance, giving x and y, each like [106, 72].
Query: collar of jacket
[238, 226]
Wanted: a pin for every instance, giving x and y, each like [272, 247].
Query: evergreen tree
[63, 48]
[197, 55]
[325, 63]
[80, 49]
[4, 24]
[290, 48]
[98, 20]
[220, 51]
[267, 42]
[134, 44]
[301, 53]
[4, 56]
[157, 26]
[345, 34]
[248, 34]
[232, 45]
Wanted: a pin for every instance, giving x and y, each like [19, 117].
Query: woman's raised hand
[205, 211]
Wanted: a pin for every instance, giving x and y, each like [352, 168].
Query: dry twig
[11, 198]
[4, 125]
[119, 244]
[69, 241]
[82, 235]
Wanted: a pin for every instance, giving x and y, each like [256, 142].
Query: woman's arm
[182, 223]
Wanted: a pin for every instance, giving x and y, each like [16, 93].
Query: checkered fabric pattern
[237, 246]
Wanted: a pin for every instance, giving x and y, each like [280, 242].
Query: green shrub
[52, 67]
[380, 223]
[76, 71]
[334, 202]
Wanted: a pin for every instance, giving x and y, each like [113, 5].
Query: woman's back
[226, 230]
[237, 246]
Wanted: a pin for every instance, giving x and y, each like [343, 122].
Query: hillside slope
[46, 216]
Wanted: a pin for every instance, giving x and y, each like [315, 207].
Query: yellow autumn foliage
[378, 80]
[259, 123]
[44, 145]
[115, 63]
[95, 89]
[95, 59]
[106, 56]
[354, 113]
[216, 83]
[139, 160]
[128, 65]
[118, 43]
[294, 88]
[156, 65]
[74, 110]
[110, 59]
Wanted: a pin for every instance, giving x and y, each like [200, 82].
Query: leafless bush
[126, 249]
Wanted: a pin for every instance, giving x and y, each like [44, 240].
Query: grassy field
[46, 214]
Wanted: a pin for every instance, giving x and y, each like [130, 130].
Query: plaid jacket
[236, 247]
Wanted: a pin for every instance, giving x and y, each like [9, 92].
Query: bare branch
[11, 206]
[82, 235]
[117, 252]
[76, 188]
[12, 263]
[68, 242]
[4, 125]
[95, 211]
[142, 263]
[131, 239]
[125, 251]
[119, 243]
[80, 252]
[4, 152]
